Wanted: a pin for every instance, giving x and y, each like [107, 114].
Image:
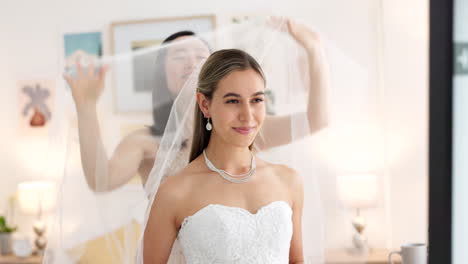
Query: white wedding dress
[225, 234]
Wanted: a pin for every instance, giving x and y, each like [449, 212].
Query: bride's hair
[216, 67]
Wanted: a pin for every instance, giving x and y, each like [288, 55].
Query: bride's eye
[232, 101]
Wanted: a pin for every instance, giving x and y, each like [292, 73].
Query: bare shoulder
[171, 192]
[286, 174]
[291, 180]
[191, 174]
[178, 186]
[290, 175]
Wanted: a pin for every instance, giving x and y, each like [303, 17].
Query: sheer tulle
[103, 208]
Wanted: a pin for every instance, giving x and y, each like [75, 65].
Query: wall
[406, 26]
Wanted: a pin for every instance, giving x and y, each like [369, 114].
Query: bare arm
[101, 173]
[297, 191]
[277, 129]
[161, 229]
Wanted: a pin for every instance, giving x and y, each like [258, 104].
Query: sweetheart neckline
[232, 208]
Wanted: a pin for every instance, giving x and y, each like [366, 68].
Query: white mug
[411, 254]
[22, 247]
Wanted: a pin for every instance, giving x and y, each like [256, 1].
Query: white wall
[30, 46]
[406, 26]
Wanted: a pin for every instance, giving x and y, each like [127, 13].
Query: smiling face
[182, 57]
[237, 108]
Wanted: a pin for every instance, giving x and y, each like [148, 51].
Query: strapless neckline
[243, 210]
[225, 234]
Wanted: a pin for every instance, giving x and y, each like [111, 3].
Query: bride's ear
[203, 103]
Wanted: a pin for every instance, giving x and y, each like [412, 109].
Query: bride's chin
[242, 143]
[238, 140]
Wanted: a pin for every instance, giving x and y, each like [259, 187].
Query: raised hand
[308, 38]
[88, 85]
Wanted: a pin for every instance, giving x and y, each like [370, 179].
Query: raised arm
[101, 173]
[277, 129]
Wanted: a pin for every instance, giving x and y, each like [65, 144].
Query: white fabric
[224, 234]
[101, 212]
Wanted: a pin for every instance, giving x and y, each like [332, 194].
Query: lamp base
[360, 243]
[40, 241]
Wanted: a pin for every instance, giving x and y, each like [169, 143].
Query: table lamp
[358, 191]
[37, 197]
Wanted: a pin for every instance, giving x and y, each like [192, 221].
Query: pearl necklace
[229, 177]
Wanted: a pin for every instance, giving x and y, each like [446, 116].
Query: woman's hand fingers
[79, 68]
[303, 34]
[88, 83]
[66, 77]
[277, 23]
[91, 73]
[103, 72]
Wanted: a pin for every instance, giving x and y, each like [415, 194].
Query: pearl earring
[208, 125]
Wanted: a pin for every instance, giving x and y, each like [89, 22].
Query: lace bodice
[224, 234]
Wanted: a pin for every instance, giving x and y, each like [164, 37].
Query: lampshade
[358, 191]
[35, 196]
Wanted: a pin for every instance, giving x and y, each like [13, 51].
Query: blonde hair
[216, 67]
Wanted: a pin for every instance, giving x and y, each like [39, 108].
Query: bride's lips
[244, 130]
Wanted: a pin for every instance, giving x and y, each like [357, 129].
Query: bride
[228, 205]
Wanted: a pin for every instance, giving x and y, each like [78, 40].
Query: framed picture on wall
[35, 105]
[133, 44]
[81, 46]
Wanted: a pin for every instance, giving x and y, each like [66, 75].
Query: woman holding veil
[290, 79]
[180, 54]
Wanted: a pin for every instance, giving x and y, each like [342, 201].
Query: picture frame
[81, 45]
[36, 105]
[130, 96]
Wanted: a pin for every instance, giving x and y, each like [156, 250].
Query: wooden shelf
[375, 256]
[11, 259]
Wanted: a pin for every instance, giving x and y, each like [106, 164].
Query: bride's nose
[246, 113]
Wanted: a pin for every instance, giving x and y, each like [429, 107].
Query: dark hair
[162, 98]
[217, 66]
